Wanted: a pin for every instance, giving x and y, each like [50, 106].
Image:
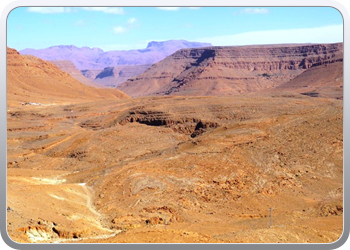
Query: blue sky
[113, 28]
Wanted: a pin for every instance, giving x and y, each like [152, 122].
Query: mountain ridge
[95, 58]
[229, 70]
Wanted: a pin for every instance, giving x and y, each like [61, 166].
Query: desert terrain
[259, 164]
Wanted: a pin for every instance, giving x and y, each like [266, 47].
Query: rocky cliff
[230, 70]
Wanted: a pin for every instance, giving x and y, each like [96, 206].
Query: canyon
[218, 145]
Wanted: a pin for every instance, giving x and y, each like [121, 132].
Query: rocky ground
[177, 169]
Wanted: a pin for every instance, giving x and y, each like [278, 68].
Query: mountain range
[111, 68]
[95, 58]
[308, 69]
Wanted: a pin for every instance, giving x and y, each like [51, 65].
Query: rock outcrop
[230, 70]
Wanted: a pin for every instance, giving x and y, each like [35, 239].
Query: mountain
[229, 70]
[83, 58]
[154, 52]
[32, 80]
[95, 58]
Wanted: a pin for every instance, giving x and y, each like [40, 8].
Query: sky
[116, 28]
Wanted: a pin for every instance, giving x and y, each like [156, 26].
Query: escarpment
[230, 70]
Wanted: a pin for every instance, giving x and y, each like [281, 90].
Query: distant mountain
[83, 58]
[95, 58]
[155, 52]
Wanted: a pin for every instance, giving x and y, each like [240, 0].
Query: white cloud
[48, 10]
[254, 11]
[108, 10]
[326, 34]
[119, 30]
[130, 24]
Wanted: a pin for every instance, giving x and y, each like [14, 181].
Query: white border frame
[178, 3]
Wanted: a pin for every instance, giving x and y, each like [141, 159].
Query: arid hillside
[30, 79]
[229, 70]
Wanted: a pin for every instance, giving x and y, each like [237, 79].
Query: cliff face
[230, 70]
